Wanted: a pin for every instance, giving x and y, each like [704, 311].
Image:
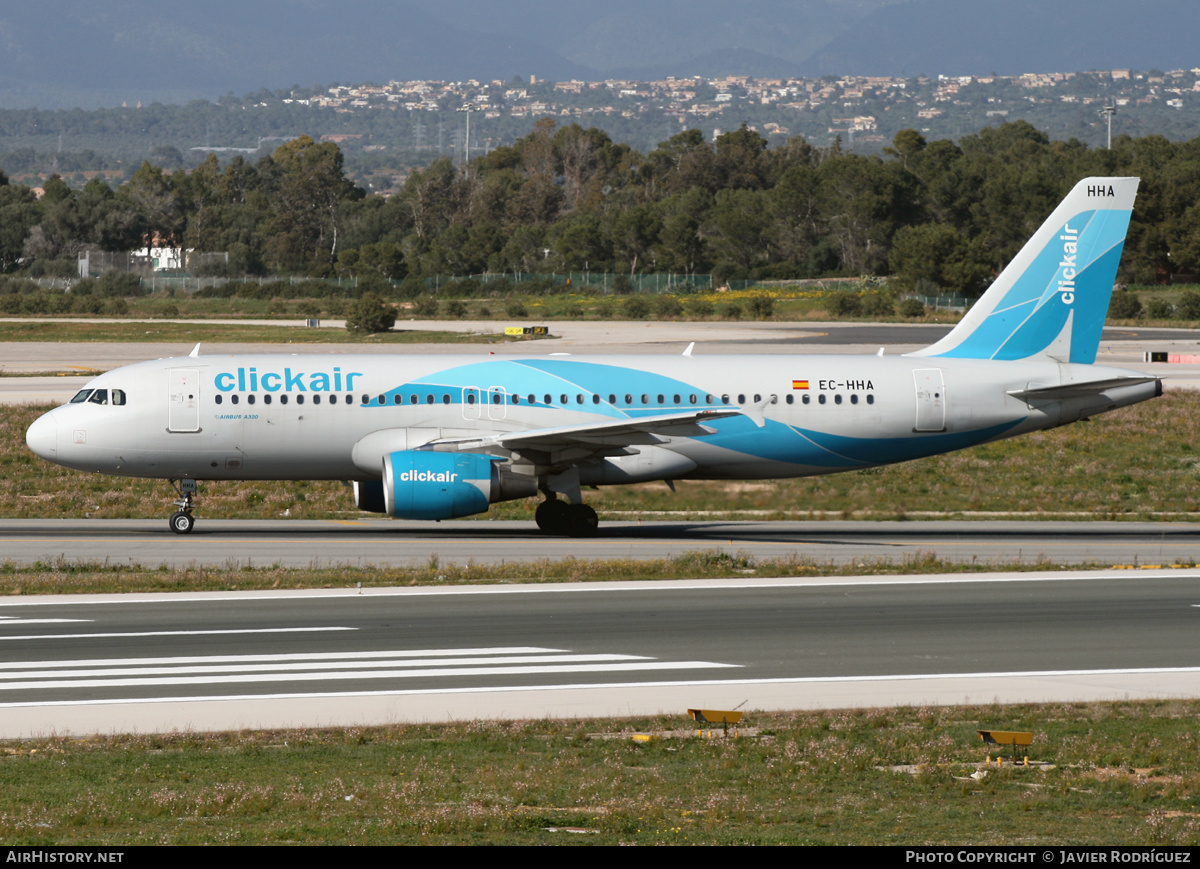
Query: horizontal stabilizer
[1078, 390]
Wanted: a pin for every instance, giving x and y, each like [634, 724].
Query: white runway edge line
[714, 683]
[435, 672]
[329, 666]
[171, 633]
[289, 656]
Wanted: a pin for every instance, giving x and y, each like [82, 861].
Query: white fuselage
[280, 417]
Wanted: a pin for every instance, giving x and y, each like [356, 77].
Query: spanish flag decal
[799, 384]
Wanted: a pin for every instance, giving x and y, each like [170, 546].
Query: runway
[392, 543]
[340, 657]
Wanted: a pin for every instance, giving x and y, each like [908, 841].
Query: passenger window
[316, 399]
[250, 398]
[283, 399]
[332, 399]
[216, 399]
[790, 399]
[267, 398]
[300, 399]
[233, 399]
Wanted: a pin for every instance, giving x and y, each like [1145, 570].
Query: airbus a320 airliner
[437, 437]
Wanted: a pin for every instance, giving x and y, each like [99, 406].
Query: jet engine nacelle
[422, 484]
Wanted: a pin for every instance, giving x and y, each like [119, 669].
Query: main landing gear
[558, 517]
[183, 521]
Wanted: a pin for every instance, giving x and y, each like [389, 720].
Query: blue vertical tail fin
[1051, 300]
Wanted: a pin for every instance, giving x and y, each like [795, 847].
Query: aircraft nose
[42, 437]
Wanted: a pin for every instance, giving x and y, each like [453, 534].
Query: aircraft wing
[598, 437]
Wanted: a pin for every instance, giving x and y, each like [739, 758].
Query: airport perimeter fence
[602, 283]
[943, 303]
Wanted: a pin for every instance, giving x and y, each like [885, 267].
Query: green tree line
[934, 214]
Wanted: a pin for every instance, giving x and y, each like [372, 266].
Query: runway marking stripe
[588, 686]
[292, 656]
[171, 633]
[5, 621]
[330, 666]
[435, 672]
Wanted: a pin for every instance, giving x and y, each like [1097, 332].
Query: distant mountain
[67, 53]
[1009, 37]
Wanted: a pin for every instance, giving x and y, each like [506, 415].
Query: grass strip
[120, 331]
[69, 577]
[1104, 774]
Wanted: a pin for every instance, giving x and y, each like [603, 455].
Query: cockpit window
[99, 396]
[81, 396]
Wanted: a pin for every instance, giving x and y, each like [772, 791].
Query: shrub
[1125, 305]
[1189, 306]
[635, 308]
[425, 306]
[845, 305]
[455, 310]
[516, 309]
[878, 304]
[761, 307]
[114, 284]
[667, 308]
[370, 314]
[622, 286]
[699, 308]
[1159, 309]
[912, 308]
[731, 311]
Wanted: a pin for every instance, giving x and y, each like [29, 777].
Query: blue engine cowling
[422, 484]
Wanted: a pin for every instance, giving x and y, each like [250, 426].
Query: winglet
[688, 351]
[195, 351]
[1051, 300]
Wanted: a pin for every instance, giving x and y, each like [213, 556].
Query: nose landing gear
[183, 521]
